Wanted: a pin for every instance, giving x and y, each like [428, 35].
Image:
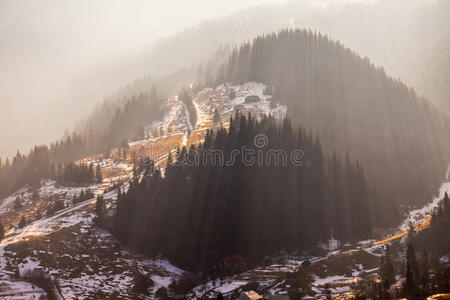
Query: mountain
[390, 33]
[352, 105]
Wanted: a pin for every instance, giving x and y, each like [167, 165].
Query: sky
[54, 53]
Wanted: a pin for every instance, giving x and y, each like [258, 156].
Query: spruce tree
[90, 173]
[446, 205]
[100, 209]
[424, 271]
[2, 231]
[35, 195]
[23, 222]
[412, 270]
[216, 118]
[387, 270]
[17, 204]
[98, 174]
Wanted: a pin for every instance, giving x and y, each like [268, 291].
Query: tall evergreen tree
[100, 210]
[387, 272]
[98, 174]
[412, 270]
[216, 117]
[2, 231]
[199, 214]
[23, 222]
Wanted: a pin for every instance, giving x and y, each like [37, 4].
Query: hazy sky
[55, 51]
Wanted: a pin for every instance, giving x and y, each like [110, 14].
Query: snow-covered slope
[90, 263]
[87, 262]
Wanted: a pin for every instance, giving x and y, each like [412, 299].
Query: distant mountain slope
[416, 57]
[392, 33]
[401, 139]
[432, 75]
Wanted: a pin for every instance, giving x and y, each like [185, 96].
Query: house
[250, 295]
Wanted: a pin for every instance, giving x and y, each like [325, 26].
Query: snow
[164, 264]
[209, 99]
[229, 287]
[322, 281]
[174, 119]
[189, 125]
[333, 244]
[7, 203]
[444, 259]
[418, 216]
[15, 289]
[29, 265]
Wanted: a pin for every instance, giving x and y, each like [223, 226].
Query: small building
[250, 295]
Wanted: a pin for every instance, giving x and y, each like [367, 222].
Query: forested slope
[400, 137]
[199, 214]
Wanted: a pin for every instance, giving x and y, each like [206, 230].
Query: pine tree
[424, 271]
[2, 231]
[446, 204]
[23, 222]
[387, 270]
[125, 146]
[100, 209]
[169, 160]
[327, 291]
[216, 118]
[17, 204]
[35, 195]
[98, 174]
[412, 270]
[90, 173]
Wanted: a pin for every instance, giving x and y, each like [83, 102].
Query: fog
[58, 58]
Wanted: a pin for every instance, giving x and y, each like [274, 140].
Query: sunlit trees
[198, 215]
[353, 106]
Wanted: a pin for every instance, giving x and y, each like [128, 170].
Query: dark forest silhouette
[197, 215]
[352, 105]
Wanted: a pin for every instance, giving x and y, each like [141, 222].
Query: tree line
[199, 215]
[329, 89]
[72, 173]
[419, 264]
[128, 122]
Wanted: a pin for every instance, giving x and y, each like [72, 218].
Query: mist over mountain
[351, 105]
[67, 56]
[290, 150]
[392, 40]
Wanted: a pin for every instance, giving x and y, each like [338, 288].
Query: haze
[58, 58]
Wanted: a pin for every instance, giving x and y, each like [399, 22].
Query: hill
[329, 89]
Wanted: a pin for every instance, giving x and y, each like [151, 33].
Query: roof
[251, 295]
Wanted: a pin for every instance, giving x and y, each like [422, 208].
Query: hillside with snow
[88, 262]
